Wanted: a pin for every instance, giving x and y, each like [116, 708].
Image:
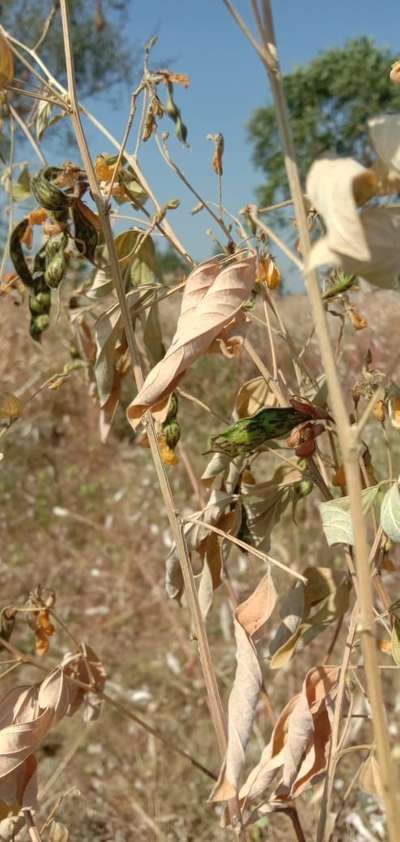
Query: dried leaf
[252, 396]
[58, 832]
[336, 517]
[395, 641]
[390, 513]
[307, 610]
[370, 779]
[26, 716]
[299, 743]
[10, 407]
[264, 504]
[6, 63]
[384, 132]
[251, 617]
[395, 73]
[363, 243]
[211, 306]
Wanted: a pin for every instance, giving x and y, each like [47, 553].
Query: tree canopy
[101, 49]
[329, 101]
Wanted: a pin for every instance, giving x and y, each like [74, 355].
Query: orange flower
[38, 216]
[44, 630]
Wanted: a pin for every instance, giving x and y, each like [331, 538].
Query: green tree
[329, 101]
[103, 56]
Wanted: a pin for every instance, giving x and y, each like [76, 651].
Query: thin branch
[251, 212]
[247, 547]
[28, 134]
[164, 151]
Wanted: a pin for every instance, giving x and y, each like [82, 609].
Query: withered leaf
[211, 306]
[251, 617]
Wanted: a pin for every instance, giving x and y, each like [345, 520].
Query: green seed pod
[44, 299]
[172, 433]
[174, 113]
[55, 271]
[47, 194]
[17, 254]
[38, 325]
[173, 409]
[55, 259]
[86, 235]
[42, 322]
[304, 488]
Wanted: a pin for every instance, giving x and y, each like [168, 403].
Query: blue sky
[227, 83]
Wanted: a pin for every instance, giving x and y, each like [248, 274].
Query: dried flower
[358, 321]
[395, 412]
[379, 411]
[268, 272]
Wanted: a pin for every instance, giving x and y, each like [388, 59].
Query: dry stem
[347, 433]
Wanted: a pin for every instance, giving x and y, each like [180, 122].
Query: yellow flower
[268, 272]
[168, 455]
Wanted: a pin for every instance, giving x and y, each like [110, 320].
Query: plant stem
[210, 679]
[347, 433]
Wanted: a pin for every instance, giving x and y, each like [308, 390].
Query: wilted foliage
[305, 447]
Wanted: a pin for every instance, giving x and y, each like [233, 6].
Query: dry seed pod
[150, 124]
[17, 254]
[86, 235]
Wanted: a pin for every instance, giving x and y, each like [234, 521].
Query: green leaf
[336, 517]
[390, 513]
[136, 258]
[46, 116]
[21, 189]
[396, 642]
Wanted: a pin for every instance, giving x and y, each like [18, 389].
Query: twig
[275, 387]
[171, 744]
[247, 547]
[27, 133]
[46, 26]
[251, 211]
[164, 151]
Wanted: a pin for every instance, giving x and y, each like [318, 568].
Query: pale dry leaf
[299, 742]
[307, 610]
[363, 242]
[28, 713]
[211, 310]
[251, 617]
[252, 396]
[370, 779]
[384, 132]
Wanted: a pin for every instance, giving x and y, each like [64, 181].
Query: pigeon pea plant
[303, 428]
